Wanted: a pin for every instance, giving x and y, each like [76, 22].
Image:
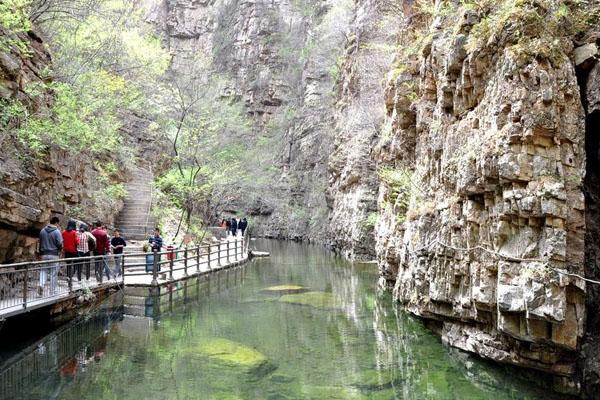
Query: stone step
[139, 235]
[135, 209]
[135, 227]
[140, 193]
[137, 216]
[142, 220]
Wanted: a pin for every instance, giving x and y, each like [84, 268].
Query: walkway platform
[19, 282]
[179, 274]
[8, 308]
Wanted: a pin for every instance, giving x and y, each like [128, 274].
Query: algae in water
[285, 289]
[322, 300]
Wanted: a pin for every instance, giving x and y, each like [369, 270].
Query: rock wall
[33, 189]
[482, 226]
[277, 57]
[587, 60]
[352, 175]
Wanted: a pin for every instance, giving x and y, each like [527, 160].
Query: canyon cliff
[485, 228]
[281, 61]
[431, 135]
[456, 142]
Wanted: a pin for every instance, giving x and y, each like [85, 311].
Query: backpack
[91, 243]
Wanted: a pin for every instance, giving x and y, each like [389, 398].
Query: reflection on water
[225, 337]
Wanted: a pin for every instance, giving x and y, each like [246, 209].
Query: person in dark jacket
[102, 249]
[70, 242]
[50, 247]
[228, 226]
[117, 243]
[233, 226]
[243, 225]
[156, 241]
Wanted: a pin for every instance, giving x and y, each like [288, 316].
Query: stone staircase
[135, 220]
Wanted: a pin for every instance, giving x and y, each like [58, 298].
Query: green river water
[226, 337]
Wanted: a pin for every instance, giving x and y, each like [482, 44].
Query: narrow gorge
[454, 143]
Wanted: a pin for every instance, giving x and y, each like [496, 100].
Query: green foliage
[399, 183]
[14, 20]
[372, 219]
[532, 28]
[335, 69]
[11, 113]
[82, 119]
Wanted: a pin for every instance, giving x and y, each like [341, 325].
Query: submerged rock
[281, 378]
[374, 380]
[285, 289]
[224, 396]
[322, 300]
[231, 353]
[331, 392]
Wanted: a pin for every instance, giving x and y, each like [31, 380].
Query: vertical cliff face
[588, 71]
[276, 57]
[483, 226]
[359, 115]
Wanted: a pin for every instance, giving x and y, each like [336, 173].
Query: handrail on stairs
[149, 206]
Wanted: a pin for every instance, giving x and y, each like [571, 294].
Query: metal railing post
[198, 259]
[185, 261]
[123, 268]
[171, 264]
[228, 252]
[155, 268]
[219, 254]
[70, 272]
[236, 249]
[208, 258]
[101, 272]
[25, 286]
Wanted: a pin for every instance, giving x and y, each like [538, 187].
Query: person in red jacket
[102, 249]
[70, 242]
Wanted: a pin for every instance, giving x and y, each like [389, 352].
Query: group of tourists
[235, 227]
[74, 243]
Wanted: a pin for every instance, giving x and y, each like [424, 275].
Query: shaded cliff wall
[587, 60]
[482, 209]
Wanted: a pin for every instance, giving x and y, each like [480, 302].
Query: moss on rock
[231, 353]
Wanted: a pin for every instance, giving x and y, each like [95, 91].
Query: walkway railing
[183, 262]
[29, 285]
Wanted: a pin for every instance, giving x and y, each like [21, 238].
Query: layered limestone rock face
[352, 175]
[482, 224]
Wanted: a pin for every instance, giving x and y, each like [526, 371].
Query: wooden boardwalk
[19, 293]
